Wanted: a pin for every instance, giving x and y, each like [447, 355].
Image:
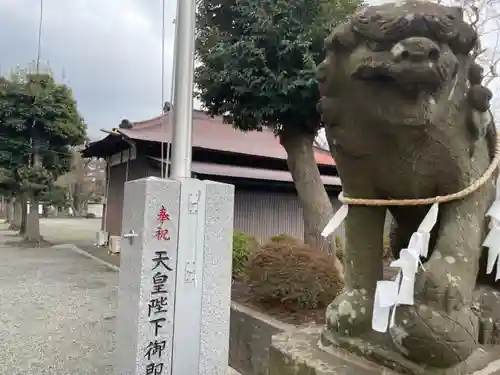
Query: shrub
[339, 248]
[387, 247]
[293, 276]
[243, 245]
[284, 238]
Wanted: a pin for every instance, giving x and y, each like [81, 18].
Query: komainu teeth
[397, 50]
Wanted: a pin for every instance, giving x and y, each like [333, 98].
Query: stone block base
[301, 352]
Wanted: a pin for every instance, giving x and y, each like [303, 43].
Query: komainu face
[397, 62]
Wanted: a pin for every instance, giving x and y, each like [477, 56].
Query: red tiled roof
[214, 134]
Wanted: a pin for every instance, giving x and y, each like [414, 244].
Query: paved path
[77, 231]
[70, 230]
[57, 313]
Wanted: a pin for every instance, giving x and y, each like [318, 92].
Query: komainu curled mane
[406, 117]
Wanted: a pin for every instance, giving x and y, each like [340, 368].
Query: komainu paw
[441, 286]
[350, 313]
[431, 336]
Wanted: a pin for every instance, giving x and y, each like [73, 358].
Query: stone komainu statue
[406, 116]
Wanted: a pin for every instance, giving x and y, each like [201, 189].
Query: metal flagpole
[39, 50]
[169, 118]
[162, 87]
[182, 112]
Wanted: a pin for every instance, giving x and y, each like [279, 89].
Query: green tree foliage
[258, 63]
[39, 123]
[259, 59]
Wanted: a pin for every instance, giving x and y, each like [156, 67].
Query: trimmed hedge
[284, 238]
[294, 276]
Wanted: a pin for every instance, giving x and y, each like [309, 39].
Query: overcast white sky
[108, 51]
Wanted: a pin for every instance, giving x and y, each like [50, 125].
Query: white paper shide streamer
[336, 220]
[492, 240]
[400, 291]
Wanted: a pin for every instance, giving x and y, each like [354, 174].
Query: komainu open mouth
[415, 62]
[408, 77]
[372, 73]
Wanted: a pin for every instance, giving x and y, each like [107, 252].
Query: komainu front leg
[441, 329]
[351, 312]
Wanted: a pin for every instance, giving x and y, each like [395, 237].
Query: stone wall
[250, 339]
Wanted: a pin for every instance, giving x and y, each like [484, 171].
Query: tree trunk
[77, 200]
[24, 216]
[18, 214]
[32, 232]
[316, 205]
[33, 222]
[45, 212]
[76, 211]
[10, 211]
[3, 210]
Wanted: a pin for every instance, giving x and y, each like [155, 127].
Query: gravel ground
[57, 308]
[57, 312]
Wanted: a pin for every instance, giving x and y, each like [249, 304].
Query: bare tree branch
[484, 16]
[84, 182]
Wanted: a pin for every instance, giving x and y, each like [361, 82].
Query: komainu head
[395, 63]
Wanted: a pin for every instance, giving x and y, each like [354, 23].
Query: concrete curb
[88, 255]
[263, 317]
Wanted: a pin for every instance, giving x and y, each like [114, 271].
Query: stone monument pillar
[175, 278]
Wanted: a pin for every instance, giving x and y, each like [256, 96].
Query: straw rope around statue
[401, 289]
[438, 199]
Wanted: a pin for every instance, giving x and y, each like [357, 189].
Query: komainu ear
[457, 12]
[324, 76]
[479, 97]
[475, 74]
[342, 37]
[479, 117]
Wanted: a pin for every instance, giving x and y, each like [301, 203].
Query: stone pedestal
[301, 352]
[175, 278]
